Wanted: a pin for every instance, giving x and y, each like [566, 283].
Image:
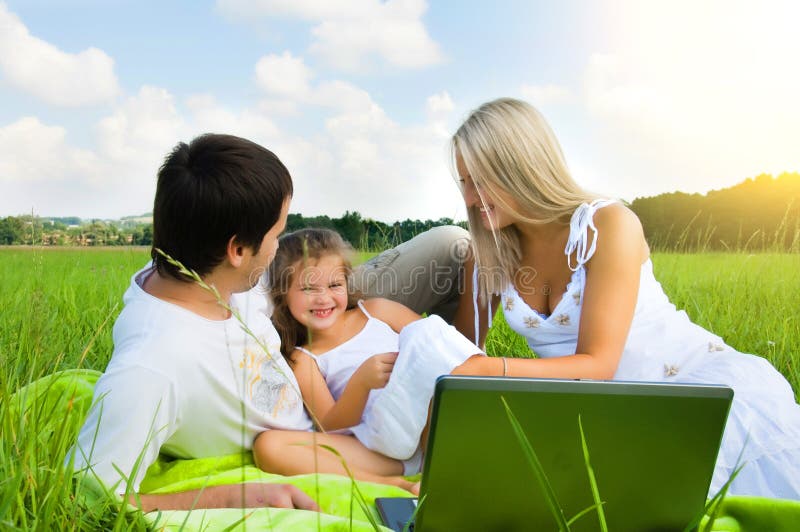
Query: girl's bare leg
[293, 453]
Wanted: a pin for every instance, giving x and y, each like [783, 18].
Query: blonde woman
[572, 273]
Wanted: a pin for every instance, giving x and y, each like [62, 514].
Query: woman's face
[492, 215]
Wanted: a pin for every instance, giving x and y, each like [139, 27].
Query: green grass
[59, 305]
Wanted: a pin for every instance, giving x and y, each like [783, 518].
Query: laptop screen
[652, 448]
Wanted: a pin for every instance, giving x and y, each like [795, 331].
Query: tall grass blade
[583, 512]
[536, 467]
[233, 525]
[601, 516]
[413, 519]
[362, 501]
[713, 506]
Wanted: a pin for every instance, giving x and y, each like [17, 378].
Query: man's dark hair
[214, 188]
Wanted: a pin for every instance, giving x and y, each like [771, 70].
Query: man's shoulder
[152, 335]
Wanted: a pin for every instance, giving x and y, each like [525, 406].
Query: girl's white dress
[664, 345]
[396, 414]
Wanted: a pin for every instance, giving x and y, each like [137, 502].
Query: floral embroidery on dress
[577, 297]
[532, 322]
[670, 370]
[509, 303]
[715, 347]
[562, 319]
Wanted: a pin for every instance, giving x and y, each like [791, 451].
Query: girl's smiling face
[317, 296]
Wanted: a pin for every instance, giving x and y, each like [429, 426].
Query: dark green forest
[758, 214]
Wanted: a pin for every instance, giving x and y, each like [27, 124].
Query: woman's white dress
[663, 345]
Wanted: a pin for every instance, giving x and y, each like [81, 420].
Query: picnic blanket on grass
[68, 394]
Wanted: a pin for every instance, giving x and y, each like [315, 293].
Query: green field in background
[59, 305]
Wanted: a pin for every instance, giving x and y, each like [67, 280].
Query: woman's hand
[374, 372]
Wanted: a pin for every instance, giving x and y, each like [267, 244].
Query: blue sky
[359, 98]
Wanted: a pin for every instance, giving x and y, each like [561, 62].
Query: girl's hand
[374, 373]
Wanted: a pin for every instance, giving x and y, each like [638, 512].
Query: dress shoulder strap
[475, 305]
[364, 309]
[578, 242]
[307, 352]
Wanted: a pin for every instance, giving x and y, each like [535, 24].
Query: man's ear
[235, 252]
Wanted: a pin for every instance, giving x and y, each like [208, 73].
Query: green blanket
[72, 390]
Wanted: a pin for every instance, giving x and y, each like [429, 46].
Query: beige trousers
[424, 273]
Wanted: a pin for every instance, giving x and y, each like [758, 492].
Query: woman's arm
[609, 301]
[464, 319]
[328, 413]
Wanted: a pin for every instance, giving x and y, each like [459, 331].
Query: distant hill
[758, 214]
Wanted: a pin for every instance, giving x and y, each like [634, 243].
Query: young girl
[364, 368]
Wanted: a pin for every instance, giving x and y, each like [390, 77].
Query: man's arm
[251, 495]
[132, 415]
[115, 435]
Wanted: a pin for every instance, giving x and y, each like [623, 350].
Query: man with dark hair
[185, 377]
[217, 187]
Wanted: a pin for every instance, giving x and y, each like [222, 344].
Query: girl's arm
[464, 319]
[609, 301]
[327, 413]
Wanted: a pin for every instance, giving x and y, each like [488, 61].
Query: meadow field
[59, 305]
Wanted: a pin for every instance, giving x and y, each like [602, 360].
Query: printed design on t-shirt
[268, 387]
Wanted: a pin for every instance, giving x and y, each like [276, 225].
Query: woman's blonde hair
[506, 145]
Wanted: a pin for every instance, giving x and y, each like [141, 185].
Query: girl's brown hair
[297, 251]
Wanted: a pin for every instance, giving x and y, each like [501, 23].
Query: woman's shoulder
[618, 228]
[617, 217]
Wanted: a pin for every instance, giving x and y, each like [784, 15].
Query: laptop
[652, 448]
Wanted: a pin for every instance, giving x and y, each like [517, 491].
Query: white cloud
[138, 131]
[343, 96]
[59, 78]
[381, 169]
[42, 173]
[283, 75]
[302, 9]
[40, 170]
[33, 152]
[542, 95]
[440, 103]
[208, 116]
[351, 35]
[362, 159]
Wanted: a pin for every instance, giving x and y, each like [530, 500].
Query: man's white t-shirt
[186, 386]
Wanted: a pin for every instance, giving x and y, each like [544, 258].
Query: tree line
[368, 234]
[759, 214]
[72, 231]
